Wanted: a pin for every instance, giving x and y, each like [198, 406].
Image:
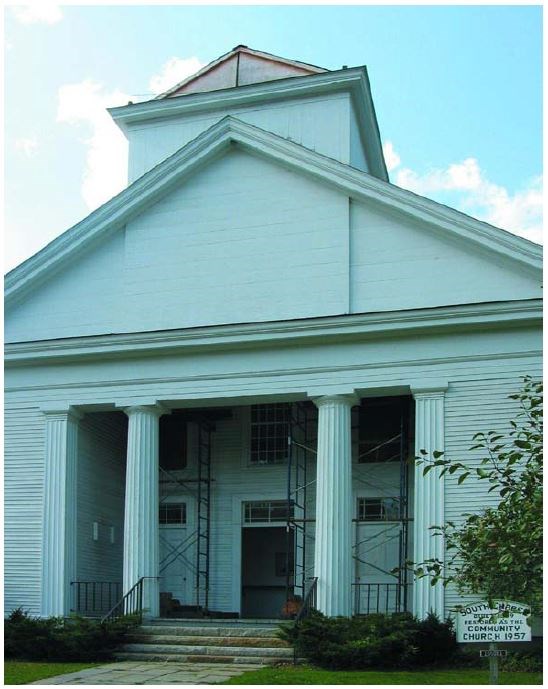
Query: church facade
[217, 382]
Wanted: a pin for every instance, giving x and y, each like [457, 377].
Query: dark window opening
[382, 421]
[173, 442]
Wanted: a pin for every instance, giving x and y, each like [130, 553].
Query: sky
[457, 92]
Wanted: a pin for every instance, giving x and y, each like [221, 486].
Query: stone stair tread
[208, 650]
[255, 661]
[189, 630]
[247, 641]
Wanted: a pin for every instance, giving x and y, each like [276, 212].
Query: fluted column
[333, 549]
[59, 514]
[429, 496]
[141, 536]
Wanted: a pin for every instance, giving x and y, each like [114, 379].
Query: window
[381, 422]
[269, 432]
[173, 513]
[173, 440]
[266, 512]
[378, 509]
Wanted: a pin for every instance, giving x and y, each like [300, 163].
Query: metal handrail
[92, 598]
[309, 602]
[130, 604]
[382, 597]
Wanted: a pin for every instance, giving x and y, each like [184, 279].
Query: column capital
[344, 399]
[429, 388]
[61, 409]
[154, 408]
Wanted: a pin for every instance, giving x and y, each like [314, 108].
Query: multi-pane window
[378, 509]
[269, 433]
[382, 429]
[266, 511]
[173, 513]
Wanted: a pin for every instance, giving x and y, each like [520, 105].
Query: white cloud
[37, 13]
[173, 71]
[27, 146]
[465, 186]
[390, 156]
[85, 104]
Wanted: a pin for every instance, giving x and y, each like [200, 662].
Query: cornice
[288, 87]
[228, 337]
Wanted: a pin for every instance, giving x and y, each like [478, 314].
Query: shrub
[523, 661]
[373, 641]
[58, 639]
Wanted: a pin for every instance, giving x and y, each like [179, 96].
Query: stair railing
[130, 604]
[94, 598]
[309, 602]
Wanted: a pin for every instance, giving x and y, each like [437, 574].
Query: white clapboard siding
[244, 240]
[321, 124]
[474, 406]
[101, 476]
[475, 401]
[399, 264]
[23, 485]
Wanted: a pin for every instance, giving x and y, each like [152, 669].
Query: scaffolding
[301, 424]
[203, 498]
[301, 449]
[200, 489]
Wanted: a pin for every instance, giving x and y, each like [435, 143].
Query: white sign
[507, 621]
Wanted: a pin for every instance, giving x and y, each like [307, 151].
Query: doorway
[265, 571]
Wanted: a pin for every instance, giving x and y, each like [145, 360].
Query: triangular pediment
[239, 186]
[240, 67]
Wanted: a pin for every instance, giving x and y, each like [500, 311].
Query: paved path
[138, 672]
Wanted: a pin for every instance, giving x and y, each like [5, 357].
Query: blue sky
[457, 90]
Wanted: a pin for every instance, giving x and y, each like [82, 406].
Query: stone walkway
[138, 672]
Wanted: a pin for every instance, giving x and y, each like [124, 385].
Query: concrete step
[254, 661]
[187, 640]
[210, 630]
[212, 621]
[206, 651]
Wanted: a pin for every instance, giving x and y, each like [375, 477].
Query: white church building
[217, 382]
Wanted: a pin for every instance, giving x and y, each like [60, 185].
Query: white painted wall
[244, 240]
[102, 443]
[358, 158]
[23, 506]
[85, 297]
[398, 264]
[321, 123]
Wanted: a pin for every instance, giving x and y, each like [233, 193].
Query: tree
[497, 553]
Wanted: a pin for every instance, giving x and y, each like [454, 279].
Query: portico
[333, 529]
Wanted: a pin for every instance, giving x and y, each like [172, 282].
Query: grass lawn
[21, 672]
[312, 675]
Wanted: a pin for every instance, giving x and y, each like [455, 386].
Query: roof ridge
[231, 53]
